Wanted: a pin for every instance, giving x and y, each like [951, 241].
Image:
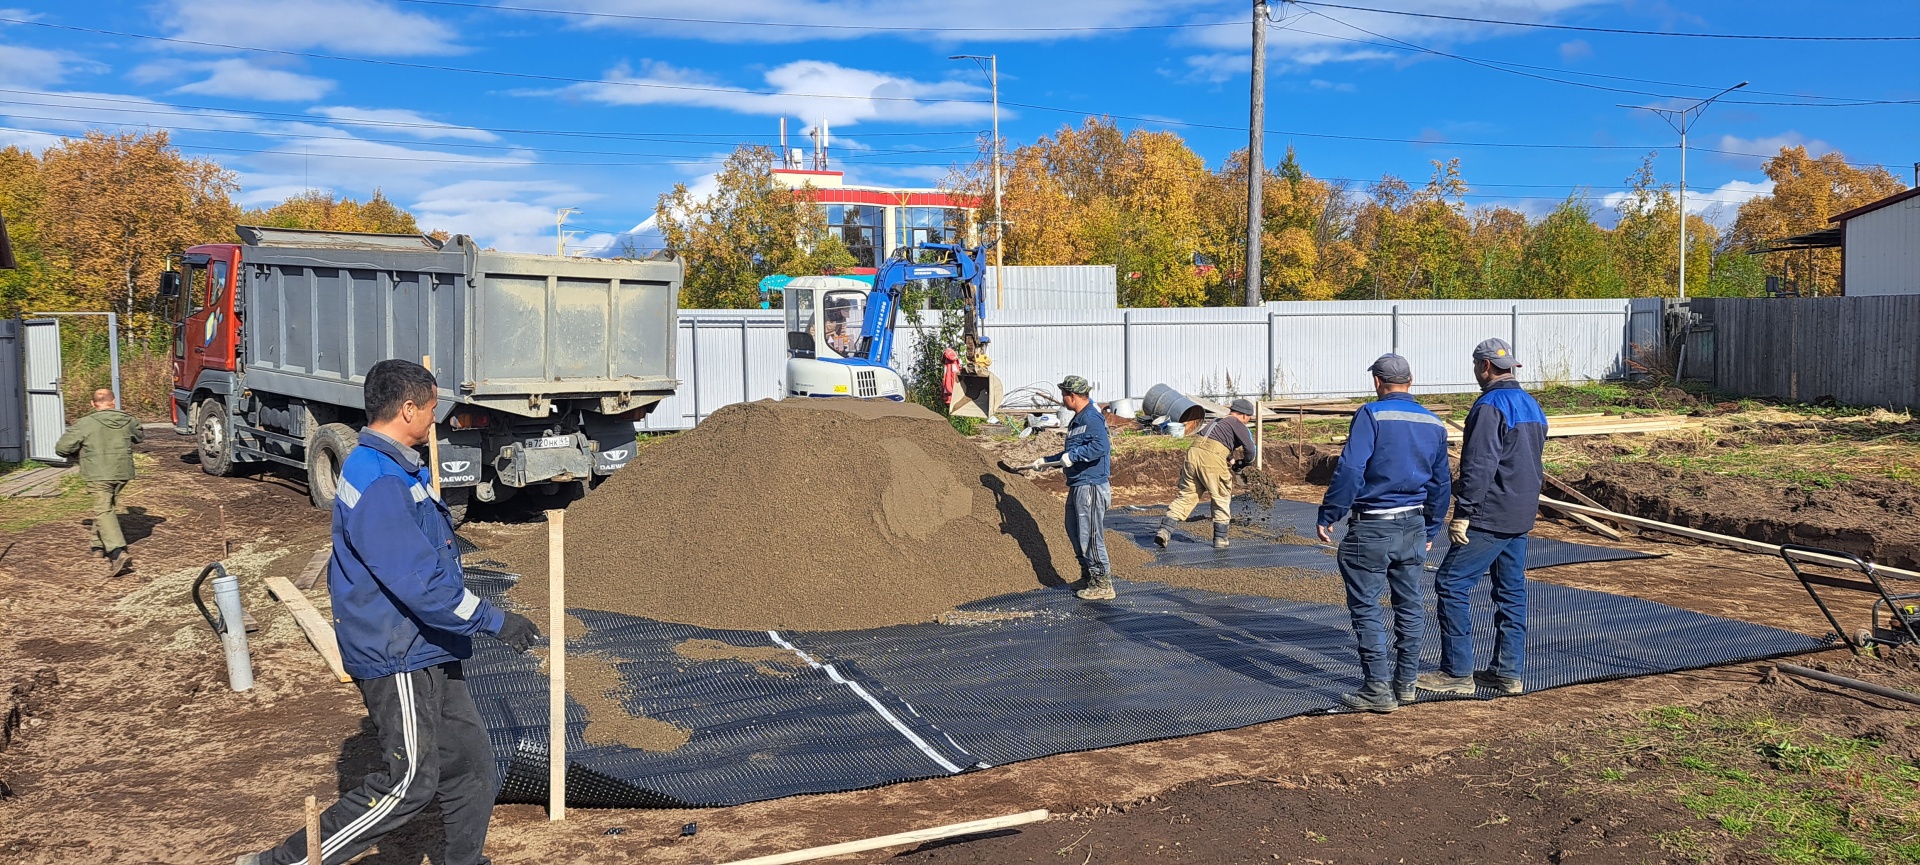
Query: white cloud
[234, 77]
[506, 215]
[1719, 205]
[21, 66]
[403, 122]
[1575, 51]
[812, 90]
[1767, 146]
[942, 21]
[356, 26]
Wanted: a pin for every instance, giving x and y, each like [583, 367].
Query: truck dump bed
[509, 331]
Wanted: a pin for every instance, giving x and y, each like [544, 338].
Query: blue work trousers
[1087, 527]
[1505, 558]
[1386, 556]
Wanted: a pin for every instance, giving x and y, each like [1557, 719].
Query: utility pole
[560, 232]
[1682, 119]
[1256, 159]
[992, 68]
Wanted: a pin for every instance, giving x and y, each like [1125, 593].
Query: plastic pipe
[226, 597]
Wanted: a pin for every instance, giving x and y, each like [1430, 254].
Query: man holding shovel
[1087, 463]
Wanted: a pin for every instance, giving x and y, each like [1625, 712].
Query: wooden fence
[1851, 350]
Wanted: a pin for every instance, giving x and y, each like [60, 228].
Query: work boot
[1099, 588]
[1441, 683]
[118, 562]
[1165, 535]
[1505, 685]
[1405, 692]
[1374, 697]
[251, 859]
[1220, 536]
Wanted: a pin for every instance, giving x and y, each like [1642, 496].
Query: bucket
[1121, 408]
[1164, 401]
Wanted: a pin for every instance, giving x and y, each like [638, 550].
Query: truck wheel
[216, 439]
[457, 500]
[325, 457]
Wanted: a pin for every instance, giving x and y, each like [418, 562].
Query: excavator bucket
[976, 396]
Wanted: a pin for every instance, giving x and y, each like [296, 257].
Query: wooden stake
[433, 439]
[1587, 521]
[556, 665]
[1741, 544]
[313, 831]
[918, 836]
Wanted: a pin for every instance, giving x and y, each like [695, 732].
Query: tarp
[1036, 673]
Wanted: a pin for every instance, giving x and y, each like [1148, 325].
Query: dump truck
[544, 363]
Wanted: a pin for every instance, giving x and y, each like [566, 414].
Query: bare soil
[1875, 518]
[130, 748]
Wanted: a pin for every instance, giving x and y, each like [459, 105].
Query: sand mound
[827, 515]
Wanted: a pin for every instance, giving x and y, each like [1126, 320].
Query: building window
[857, 226]
[918, 226]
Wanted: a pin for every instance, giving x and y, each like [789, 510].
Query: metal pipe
[230, 626]
[113, 353]
[1848, 682]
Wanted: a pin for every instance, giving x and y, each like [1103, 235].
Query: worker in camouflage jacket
[102, 443]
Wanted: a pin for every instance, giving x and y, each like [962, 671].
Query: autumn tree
[114, 205]
[319, 209]
[1567, 255]
[1806, 192]
[751, 226]
[31, 284]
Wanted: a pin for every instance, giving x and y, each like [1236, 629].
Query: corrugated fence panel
[1090, 286]
[1039, 347]
[1322, 348]
[1292, 349]
[1216, 353]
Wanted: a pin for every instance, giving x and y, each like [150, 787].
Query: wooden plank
[316, 566]
[46, 489]
[900, 839]
[556, 665]
[318, 630]
[35, 483]
[22, 480]
[1742, 544]
[1590, 523]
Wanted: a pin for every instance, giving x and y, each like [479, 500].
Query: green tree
[751, 226]
[1568, 256]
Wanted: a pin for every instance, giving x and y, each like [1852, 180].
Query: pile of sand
[810, 515]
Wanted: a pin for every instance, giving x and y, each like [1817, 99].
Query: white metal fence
[1281, 350]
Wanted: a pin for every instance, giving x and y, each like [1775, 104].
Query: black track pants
[435, 746]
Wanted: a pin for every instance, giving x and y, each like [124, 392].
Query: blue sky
[602, 113]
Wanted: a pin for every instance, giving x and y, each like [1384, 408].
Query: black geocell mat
[1296, 521]
[1042, 673]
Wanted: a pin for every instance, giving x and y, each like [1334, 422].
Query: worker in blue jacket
[1087, 463]
[405, 620]
[1494, 504]
[1391, 487]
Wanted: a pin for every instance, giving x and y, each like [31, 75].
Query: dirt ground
[130, 748]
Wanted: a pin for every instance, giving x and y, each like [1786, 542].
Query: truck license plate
[551, 442]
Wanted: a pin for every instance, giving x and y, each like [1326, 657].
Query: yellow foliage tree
[750, 227]
[114, 205]
[318, 209]
[1806, 191]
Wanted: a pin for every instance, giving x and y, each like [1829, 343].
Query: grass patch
[19, 514]
[1794, 794]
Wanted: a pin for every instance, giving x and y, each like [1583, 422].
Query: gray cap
[1496, 351]
[1392, 369]
[1243, 406]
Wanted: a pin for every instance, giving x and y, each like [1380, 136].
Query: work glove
[518, 631]
[1457, 532]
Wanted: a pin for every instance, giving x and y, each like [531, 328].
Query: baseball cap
[1076, 385]
[1392, 369]
[1496, 351]
[1243, 406]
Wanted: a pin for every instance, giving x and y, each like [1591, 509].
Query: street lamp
[990, 64]
[1682, 119]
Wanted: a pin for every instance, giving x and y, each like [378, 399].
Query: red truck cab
[207, 336]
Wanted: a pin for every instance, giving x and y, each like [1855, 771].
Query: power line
[1613, 30]
[872, 28]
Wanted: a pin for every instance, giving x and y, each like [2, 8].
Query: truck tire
[215, 431]
[325, 457]
[457, 499]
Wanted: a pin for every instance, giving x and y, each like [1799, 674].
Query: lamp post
[990, 63]
[1682, 119]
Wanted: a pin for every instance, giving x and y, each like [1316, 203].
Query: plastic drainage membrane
[1293, 522]
[1036, 673]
